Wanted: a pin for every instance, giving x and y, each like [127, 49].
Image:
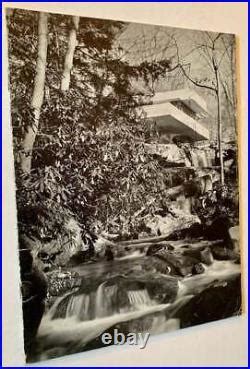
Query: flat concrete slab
[171, 120]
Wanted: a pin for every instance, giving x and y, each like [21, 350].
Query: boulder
[207, 256]
[214, 303]
[58, 251]
[162, 266]
[180, 264]
[157, 247]
[198, 268]
[204, 255]
[223, 253]
[171, 153]
[34, 291]
[195, 230]
[173, 222]
[219, 229]
[234, 233]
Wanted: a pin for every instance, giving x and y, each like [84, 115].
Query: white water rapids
[85, 316]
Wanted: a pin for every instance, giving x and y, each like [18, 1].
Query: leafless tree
[213, 51]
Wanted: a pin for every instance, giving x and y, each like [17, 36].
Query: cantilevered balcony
[179, 113]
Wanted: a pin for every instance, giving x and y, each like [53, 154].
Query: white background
[222, 343]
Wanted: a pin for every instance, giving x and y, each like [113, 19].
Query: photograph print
[126, 173]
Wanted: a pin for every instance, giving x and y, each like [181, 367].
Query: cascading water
[139, 298]
[78, 306]
[133, 255]
[103, 300]
[125, 300]
[100, 303]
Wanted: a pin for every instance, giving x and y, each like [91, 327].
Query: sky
[152, 43]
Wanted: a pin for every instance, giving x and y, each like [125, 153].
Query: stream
[127, 294]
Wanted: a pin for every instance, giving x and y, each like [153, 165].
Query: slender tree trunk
[38, 93]
[233, 81]
[68, 64]
[219, 127]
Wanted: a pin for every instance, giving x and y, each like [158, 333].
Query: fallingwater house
[179, 114]
[179, 117]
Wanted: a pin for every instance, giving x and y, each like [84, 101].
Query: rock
[223, 253]
[162, 266]
[153, 249]
[207, 256]
[184, 203]
[214, 303]
[234, 233]
[61, 282]
[170, 152]
[188, 189]
[78, 258]
[100, 247]
[58, 251]
[198, 268]
[180, 264]
[172, 222]
[219, 229]
[110, 236]
[34, 291]
[142, 235]
[109, 254]
[104, 248]
[204, 256]
[71, 244]
[182, 260]
[195, 230]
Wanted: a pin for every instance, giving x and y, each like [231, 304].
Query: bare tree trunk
[38, 93]
[219, 127]
[68, 64]
[233, 82]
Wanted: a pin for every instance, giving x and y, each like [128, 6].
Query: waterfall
[99, 304]
[96, 304]
[78, 306]
[59, 301]
[200, 158]
[195, 160]
[203, 159]
[133, 255]
[103, 300]
[139, 298]
[220, 270]
[70, 335]
[100, 301]
[82, 315]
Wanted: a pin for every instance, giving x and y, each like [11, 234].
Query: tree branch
[201, 85]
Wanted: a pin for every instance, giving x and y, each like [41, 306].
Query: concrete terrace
[179, 113]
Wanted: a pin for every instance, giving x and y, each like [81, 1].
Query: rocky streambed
[156, 286]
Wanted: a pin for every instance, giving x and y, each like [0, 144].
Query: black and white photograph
[125, 145]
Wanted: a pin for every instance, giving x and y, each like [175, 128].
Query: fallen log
[154, 239]
[146, 242]
[144, 245]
